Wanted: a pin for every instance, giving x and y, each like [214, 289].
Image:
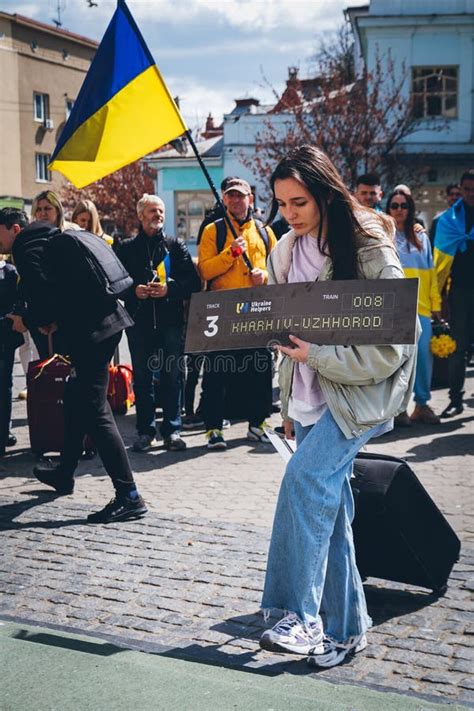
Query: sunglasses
[399, 206]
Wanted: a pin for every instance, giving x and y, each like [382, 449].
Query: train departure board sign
[360, 312]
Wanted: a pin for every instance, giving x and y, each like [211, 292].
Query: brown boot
[425, 415]
[402, 420]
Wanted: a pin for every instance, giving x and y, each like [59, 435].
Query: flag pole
[216, 194]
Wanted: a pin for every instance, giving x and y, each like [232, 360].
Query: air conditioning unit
[49, 124]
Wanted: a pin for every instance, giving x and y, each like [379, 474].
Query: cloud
[247, 46]
[263, 16]
[252, 16]
[197, 99]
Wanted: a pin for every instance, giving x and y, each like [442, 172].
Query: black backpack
[221, 234]
[106, 271]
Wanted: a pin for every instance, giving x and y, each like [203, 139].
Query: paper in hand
[284, 447]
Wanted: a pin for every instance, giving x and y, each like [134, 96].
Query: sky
[210, 52]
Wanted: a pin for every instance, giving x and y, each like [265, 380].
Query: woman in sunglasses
[414, 250]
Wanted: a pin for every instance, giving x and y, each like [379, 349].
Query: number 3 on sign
[212, 326]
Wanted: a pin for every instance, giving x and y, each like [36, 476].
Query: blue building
[432, 41]
[180, 181]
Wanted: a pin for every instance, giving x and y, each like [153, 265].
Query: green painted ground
[46, 670]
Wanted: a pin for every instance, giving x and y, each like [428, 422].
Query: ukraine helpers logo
[243, 307]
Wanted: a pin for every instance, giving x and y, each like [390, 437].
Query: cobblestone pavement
[187, 578]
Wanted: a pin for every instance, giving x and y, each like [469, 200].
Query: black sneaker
[122, 508]
[191, 421]
[174, 443]
[57, 477]
[215, 439]
[11, 440]
[452, 410]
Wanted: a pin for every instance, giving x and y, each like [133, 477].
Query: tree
[360, 124]
[115, 196]
[336, 52]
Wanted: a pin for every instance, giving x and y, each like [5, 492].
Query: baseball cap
[238, 184]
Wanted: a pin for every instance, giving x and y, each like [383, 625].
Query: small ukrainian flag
[163, 270]
[124, 109]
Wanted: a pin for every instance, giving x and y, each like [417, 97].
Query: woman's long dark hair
[408, 227]
[312, 167]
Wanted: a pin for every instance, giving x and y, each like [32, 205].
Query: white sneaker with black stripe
[291, 635]
[333, 653]
[257, 434]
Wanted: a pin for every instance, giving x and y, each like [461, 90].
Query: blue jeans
[311, 563]
[152, 353]
[424, 363]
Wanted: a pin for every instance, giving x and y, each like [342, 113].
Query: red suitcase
[120, 393]
[46, 380]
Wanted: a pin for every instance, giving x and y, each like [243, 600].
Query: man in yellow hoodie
[222, 264]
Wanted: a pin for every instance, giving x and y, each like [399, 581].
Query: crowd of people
[159, 307]
[316, 230]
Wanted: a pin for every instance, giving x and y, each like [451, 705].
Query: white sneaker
[334, 653]
[291, 635]
[257, 434]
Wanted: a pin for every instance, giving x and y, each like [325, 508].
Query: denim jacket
[363, 385]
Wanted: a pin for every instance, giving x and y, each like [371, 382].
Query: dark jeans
[7, 359]
[86, 410]
[194, 362]
[157, 351]
[461, 319]
[248, 373]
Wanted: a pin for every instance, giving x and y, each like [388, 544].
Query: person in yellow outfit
[223, 262]
[414, 250]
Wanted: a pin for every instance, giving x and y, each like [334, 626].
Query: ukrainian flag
[163, 270]
[124, 109]
[450, 238]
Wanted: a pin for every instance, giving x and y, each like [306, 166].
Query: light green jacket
[363, 385]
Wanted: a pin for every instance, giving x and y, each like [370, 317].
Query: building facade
[183, 187]
[41, 71]
[181, 183]
[432, 44]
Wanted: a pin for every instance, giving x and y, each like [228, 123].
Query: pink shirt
[306, 264]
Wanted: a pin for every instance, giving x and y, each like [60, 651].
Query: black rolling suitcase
[399, 532]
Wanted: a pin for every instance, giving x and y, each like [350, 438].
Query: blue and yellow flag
[163, 269]
[124, 109]
[450, 238]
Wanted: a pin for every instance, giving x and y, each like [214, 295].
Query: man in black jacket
[54, 281]
[164, 277]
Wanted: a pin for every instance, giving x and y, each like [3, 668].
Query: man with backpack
[223, 262]
[73, 289]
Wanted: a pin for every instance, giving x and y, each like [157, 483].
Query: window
[435, 92]
[40, 106]
[42, 173]
[69, 105]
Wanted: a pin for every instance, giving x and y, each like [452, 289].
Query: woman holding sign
[335, 398]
